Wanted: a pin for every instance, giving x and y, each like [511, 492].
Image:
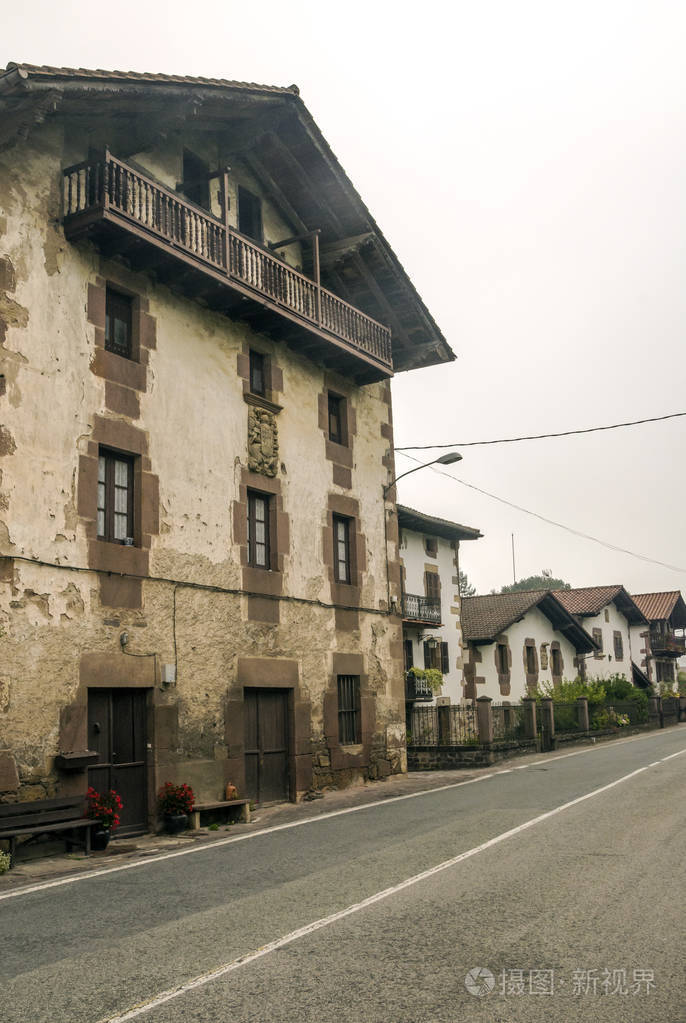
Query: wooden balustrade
[120, 192]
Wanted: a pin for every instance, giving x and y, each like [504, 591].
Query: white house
[432, 638]
[661, 642]
[515, 642]
[610, 615]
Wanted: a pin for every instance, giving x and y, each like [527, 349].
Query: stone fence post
[582, 713]
[682, 708]
[548, 720]
[654, 709]
[484, 720]
[529, 705]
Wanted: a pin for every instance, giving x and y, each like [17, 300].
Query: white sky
[526, 162]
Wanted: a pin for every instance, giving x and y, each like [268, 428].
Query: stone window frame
[344, 593]
[121, 568]
[111, 457]
[347, 525]
[273, 376]
[126, 371]
[340, 455]
[556, 655]
[269, 528]
[431, 546]
[598, 639]
[259, 580]
[530, 676]
[349, 715]
[349, 757]
[618, 644]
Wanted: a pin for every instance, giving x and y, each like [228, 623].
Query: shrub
[4, 862]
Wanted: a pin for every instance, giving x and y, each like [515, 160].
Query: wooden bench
[43, 816]
[243, 805]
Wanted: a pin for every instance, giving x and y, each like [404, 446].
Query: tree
[465, 587]
[544, 581]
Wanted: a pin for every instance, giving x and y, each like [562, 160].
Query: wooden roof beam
[313, 190]
[274, 192]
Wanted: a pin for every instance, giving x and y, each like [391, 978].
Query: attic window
[196, 185]
[431, 546]
[249, 214]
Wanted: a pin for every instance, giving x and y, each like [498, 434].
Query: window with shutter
[432, 585]
[619, 646]
[445, 659]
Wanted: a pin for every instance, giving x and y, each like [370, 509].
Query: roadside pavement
[40, 868]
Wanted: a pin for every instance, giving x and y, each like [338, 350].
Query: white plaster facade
[535, 625]
[426, 552]
[608, 622]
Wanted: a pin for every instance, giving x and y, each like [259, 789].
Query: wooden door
[117, 730]
[266, 745]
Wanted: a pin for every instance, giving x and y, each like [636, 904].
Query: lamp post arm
[407, 473]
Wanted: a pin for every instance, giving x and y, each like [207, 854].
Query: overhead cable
[540, 436]
[552, 522]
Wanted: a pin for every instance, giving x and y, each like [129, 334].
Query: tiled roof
[657, 605]
[486, 617]
[44, 71]
[587, 600]
[408, 518]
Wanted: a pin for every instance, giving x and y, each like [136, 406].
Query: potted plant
[105, 810]
[175, 803]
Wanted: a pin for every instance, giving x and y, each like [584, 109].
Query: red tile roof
[484, 618]
[589, 600]
[656, 606]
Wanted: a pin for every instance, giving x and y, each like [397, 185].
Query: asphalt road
[562, 912]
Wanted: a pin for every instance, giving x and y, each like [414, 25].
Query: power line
[540, 436]
[552, 522]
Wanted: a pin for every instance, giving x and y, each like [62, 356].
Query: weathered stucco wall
[59, 629]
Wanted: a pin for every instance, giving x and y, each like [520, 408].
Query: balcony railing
[417, 689]
[667, 643]
[107, 189]
[421, 609]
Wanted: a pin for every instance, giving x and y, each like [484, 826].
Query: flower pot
[99, 839]
[175, 823]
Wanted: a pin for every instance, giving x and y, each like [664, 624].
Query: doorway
[117, 731]
[266, 745]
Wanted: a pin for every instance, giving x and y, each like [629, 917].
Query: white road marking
[672, 755]
[89, 874]
[316, 925]
[655, 763]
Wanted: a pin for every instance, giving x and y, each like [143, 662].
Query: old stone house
[610, 615]
[432, 635]
[515, 642]
[662, 641]
[199, 320]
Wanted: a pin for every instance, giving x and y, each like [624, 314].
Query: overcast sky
[526, 162]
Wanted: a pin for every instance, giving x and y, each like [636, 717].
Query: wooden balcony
[129, 214]
[422, 610]
[666, 644]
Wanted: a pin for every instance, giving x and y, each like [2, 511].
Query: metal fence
[442, 726]
[566, 717]
[508, 721]
[616, 714]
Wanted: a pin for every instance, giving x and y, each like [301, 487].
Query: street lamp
[447, 459]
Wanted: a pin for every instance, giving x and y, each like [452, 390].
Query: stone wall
[183, 592]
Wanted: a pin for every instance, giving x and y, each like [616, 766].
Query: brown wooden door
[116, 729]
[266, 745]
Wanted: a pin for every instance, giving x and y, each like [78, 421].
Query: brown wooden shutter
[427, 654]
[445, 659]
